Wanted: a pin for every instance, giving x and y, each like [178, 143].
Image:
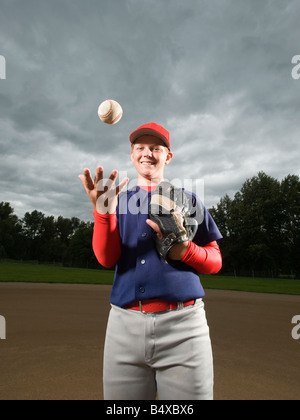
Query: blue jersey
[140, 272]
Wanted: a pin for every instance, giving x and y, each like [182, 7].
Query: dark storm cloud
[216, 74]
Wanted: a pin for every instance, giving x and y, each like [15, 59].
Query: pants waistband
[157, 305]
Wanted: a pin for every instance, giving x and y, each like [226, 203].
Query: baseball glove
[169, 208]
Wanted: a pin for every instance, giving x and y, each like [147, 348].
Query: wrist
[178, 251]
[101, 216]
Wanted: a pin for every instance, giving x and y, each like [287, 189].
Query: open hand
[103, 197]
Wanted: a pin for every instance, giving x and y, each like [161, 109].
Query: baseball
[110, 111]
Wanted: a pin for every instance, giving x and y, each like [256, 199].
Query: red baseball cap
[152, 129]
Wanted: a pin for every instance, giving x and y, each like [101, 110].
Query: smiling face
[149, 156]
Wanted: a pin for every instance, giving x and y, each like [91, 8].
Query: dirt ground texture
[55, 338]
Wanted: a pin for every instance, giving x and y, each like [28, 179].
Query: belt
[157, 305]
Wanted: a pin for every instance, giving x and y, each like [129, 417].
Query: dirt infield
[55, 336]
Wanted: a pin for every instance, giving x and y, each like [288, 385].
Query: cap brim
[150, 132]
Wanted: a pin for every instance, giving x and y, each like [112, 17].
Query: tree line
[260, 228]
[46, 239]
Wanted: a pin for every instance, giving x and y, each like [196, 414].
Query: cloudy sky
[215, 73]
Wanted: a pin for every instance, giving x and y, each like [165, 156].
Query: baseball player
[160, 238]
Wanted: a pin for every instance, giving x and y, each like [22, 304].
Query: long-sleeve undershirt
[107, 247]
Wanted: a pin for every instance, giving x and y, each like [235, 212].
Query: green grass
[19, 272]
[249, 284]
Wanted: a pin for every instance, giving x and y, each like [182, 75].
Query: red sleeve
[205, 260]
[106, 239]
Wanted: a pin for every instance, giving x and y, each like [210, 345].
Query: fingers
[112, 179]
[155, 227]
[99, 174]
[98, 182]
[109, 186]
[122, 185]
[86, 180]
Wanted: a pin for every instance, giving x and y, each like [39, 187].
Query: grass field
[18, 272]
[249, 284]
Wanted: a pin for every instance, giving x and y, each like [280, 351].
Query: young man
[157, 338]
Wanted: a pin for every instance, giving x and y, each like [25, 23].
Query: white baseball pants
[165, 353]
